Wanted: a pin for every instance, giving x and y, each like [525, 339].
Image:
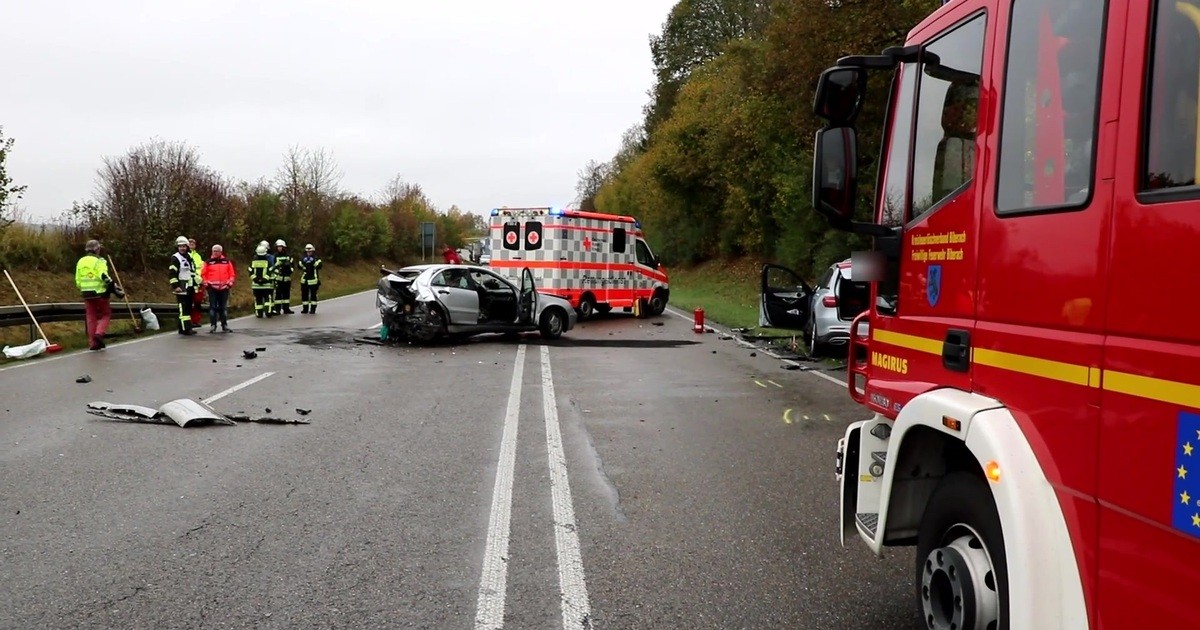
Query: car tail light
[829, 301]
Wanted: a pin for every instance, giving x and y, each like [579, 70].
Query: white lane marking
[816, 373]
[119, 344]
[575, 610]
[238, 387]
[489, 612]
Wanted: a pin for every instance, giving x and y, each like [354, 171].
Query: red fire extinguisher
[698, 318]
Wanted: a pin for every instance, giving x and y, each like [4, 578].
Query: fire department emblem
[933, 284]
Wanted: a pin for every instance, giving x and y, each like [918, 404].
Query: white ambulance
[596, 261]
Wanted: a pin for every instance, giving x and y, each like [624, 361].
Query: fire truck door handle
[956, 350]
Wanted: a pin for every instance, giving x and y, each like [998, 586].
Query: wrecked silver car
[425, 302]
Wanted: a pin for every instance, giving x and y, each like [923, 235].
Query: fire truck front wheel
[962, 577]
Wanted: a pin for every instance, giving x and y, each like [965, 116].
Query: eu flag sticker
[1185, 515]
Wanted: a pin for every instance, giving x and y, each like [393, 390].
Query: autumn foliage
[721, 164]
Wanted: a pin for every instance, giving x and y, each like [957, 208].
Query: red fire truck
[1036, 428]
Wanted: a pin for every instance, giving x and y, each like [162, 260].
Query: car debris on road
[184, 412]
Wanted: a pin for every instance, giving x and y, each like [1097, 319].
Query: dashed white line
[239, 386]
[489, 611]
[576, 612]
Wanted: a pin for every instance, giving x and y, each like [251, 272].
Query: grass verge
[727, 290]
[40, 287]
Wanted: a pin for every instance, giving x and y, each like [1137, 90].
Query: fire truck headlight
[992, 470]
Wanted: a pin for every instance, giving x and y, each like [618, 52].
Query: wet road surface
[629, 475]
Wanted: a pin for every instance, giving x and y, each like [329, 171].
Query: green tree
[9, 194]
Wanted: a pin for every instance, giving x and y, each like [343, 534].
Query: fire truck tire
[552, 324]
[587, 306]
[961, 572]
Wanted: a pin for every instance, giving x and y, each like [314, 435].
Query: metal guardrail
[74, 311]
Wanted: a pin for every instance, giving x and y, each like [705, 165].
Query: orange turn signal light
[951, 423]
[992, 470]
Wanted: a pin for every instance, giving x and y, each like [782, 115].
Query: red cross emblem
[511, 237]
[587, 242]
[532, 237]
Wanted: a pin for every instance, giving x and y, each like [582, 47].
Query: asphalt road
[647, 476]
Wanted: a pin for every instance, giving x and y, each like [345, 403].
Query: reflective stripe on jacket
[197, 263]
[181, 271]
[260, 273]
[283, 267]
[309, 268]
[91, 275]
[219, 273]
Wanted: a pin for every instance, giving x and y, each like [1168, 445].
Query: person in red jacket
[450, 256]
[218, 275]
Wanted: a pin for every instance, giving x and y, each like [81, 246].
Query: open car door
[783, 299]
[528, 298]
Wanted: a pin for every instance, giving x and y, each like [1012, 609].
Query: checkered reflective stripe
[575, 256]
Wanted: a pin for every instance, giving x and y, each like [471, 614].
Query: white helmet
[263, 244]
[280, 243]
[309, 248]
[261, 250]
[182, 240]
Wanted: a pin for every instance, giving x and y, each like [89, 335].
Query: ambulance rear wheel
[587, 306]
[961, 571]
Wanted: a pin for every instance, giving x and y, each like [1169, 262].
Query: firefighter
[219, 275]
[261, 283]
[201, 292]
[310, 279]
[93, 281]
[183, 284]
[283, 279]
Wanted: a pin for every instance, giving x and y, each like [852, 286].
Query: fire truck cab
[1036, 427]
[595, 261]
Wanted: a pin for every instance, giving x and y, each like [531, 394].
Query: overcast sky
[482, 103]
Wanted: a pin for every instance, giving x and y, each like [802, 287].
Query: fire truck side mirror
[839, 95]
[835, 175]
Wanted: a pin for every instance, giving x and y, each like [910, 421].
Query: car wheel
[552, 324]
[587, 306]
[815, 348]
[961, 569]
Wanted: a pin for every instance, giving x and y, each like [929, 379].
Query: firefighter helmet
[280, 243]
[261, 250]
[182, 240]
[309, 248]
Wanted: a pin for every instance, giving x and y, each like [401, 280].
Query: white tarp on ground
[183, 411]
[26, 351]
